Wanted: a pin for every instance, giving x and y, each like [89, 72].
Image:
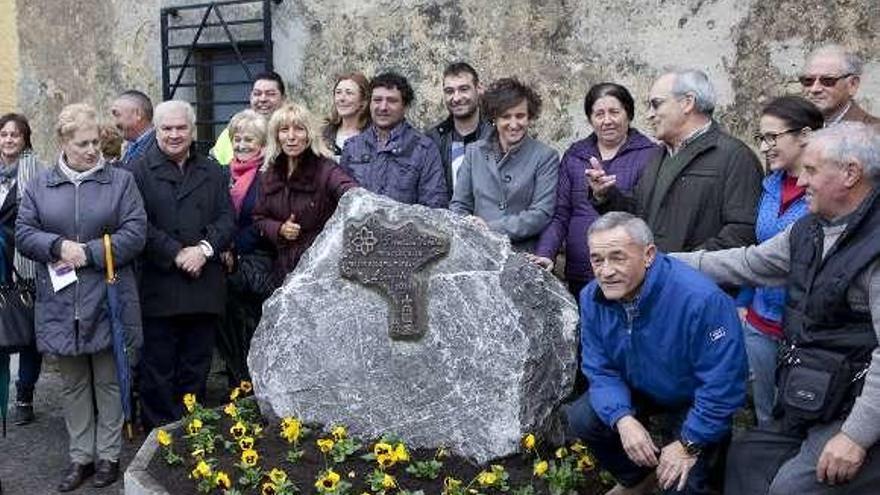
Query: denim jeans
[762, 351]
[604, 442]
[29, 363]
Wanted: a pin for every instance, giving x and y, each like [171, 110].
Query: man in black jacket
[465, 124]
[183, 285]
[703, 192]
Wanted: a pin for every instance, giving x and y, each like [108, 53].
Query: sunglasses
[826, 81]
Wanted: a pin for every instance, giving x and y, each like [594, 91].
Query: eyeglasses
[657, 102]
[770, 137]
[826, 81]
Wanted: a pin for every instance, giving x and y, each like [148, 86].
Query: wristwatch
[691, 448]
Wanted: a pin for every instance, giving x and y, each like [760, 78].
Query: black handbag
[16, 314]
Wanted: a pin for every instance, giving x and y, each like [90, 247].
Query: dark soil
[273, 449]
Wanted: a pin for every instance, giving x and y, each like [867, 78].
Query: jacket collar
[396, 136]
[303, 178]
[683, 159]
[447, 126]
[589, 146]
[57, 177]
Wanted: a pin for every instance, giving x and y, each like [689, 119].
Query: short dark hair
[21, 122]
[458, 68]
[508, 92]
[271, 75]
[393, 80]
[603, 89]
[795, 111]
[142, 100]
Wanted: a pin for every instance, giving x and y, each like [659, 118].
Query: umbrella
[4, 388]
[120, 349]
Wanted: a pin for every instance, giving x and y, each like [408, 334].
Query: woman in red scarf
[250, 260]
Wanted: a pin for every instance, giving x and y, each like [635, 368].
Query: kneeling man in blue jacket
[662, 350]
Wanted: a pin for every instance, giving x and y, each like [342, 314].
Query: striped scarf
[28, 169]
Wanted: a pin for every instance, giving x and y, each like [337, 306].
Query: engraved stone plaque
[390, 258]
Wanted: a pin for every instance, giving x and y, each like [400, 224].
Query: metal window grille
[210, 53]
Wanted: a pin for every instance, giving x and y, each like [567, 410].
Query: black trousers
[176, 361]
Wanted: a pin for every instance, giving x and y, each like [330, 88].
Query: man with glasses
[267, 95]
[831, 80]
[703, 191]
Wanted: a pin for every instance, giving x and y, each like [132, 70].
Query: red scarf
[243, 174]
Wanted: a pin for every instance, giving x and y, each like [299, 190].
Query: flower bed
[236, 452]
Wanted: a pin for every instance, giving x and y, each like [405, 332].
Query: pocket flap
[806, 388]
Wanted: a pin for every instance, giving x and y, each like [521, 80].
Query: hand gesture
[840, 460]
[545, 263]
[228, 260]
[599, 181]
[675, 466]
[73, 253]
[191, 259]
[289, 229]
[637, 442]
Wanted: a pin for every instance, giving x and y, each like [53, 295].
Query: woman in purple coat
[620, 150]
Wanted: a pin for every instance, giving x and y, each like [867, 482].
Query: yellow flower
[249, 458]
[561, 452]
[451, 484]
[202, 470]
[578, 447]
[328, 482]
[198, 453]
[388, 482]
[246, 386]
[339, 433]
[386, 460]
[189, 400]
[231, 410]
[238, 430]
[277, 476]
[382, 448]
[246, 443]
[400, 453]
[257, 430]
[486, 478]
[325, 444]
[528, 442]
[194, 426]
[268, 489]
[164, 438]
[291, 429]
[234, 394]
[221, 480]
[540, 469]
[585, 463]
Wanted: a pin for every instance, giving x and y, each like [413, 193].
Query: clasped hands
[191, 259]
[674, 464]
[73, 254]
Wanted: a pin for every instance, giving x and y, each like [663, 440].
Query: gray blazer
[514, 193]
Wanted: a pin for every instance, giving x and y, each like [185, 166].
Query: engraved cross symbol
[391, 258]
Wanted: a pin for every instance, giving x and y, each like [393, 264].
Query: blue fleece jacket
[681, 346]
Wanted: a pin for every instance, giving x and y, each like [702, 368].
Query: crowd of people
[200, 241]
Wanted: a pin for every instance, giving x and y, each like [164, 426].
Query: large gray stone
[497, 357]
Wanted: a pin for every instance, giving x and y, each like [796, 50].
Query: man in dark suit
[831, 79]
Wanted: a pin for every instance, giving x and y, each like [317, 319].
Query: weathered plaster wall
[9, 60]
[751, 49]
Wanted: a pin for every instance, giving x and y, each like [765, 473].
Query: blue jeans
[762, 350]
[604, 442]
[29, 363]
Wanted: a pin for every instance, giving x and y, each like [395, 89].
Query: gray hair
[696, 82]
[171, 106]
[637, 229]
[852, 63]
[248, 121]
[846, 142]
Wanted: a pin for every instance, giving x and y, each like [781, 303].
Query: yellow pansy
[238, 430]
[291, 430]
[528, 442]
[382, 448]
[328, 482]
[194, 426]
[222, 481]
[325, 444]
[164, 438]
[540, 468]
[585, 463]
[231, 410]
[386, 460]
[388, 482]
[277, 476]
[339, 433]
[202, 470]
[246, 443]
[400, 453]
[250, 457]
[246, 386]
[561, 452]
[486, 478]
[234, 394]
[268, 489]
[189, 401]
[578, 447]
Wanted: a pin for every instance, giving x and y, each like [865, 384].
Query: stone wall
[91, 49]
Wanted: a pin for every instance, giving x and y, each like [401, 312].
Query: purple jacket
[406, 169]
[574, 213]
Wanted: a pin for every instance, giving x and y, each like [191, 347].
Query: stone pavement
[32, 457]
